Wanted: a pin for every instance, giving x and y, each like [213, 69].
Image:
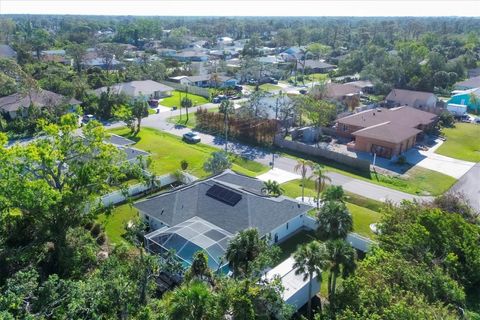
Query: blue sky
[245, 7]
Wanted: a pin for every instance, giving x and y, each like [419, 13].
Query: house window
[147, 218]
[344, 127]
[287, 225]
[276, 237]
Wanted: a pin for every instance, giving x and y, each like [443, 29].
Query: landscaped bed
[174, 99]
[168, 150]
[462, 142]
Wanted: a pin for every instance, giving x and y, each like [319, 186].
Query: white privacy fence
[357, 241]
[161, 181]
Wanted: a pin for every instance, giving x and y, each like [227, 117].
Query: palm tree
[302, 166]
[272, 188]
[318, 174]
[242, 250]
[310, 260]
[334, 221]
[342, 263]
[474, 101]
[226, 107]
[199, 268]
[186, 103]
[333, 193]
[194, 301]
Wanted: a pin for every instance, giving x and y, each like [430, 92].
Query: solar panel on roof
[224, 195]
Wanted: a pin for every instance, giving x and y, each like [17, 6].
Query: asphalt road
[469, 185]
[357, 186]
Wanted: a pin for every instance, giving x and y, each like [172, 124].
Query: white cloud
[244, 8]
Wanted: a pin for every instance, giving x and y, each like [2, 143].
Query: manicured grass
[362, 216]
[174, 100]
[151, 111]
[192, 119]
[417, 180]
[463, 142]
[313, 77]
[289, 246]
[168, 150]
[115, 223]
[265, 87]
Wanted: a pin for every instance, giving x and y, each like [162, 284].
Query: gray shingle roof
[119, 140]
[6, 51]
[40, 98]
[252, 211]
[137, 88]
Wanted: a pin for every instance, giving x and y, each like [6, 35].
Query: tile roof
[405, 116]
[254, 210]
[387, 131]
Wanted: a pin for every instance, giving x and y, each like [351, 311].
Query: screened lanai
[190, 236]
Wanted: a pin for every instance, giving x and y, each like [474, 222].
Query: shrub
[401, 160]
[101, 239]
[96, 229]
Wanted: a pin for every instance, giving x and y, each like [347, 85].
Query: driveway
[469, 185]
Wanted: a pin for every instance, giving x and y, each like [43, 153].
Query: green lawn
[174, 100]
[313, 77]
[192, 119]
[417, 180]
[359, 207]
[115, 223]
[265, 87]
[362, 218]
[463, 142]
[168, 150]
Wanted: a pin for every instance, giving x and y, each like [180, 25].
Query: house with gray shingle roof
[7, 52]
[13, 105]
[227, 203]
[146, 88]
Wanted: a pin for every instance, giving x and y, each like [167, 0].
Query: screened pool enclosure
[191, 236]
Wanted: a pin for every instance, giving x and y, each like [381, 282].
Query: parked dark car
[191, 137]
[303, 91]
[220, 98]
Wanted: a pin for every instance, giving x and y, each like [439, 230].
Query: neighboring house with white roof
[143, 88]
[295, 287]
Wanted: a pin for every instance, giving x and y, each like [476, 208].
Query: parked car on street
[220, 98]
[191, 137]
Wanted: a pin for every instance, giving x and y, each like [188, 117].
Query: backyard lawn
[463, 142]
[192, 119]
[168, 150]
[362, 215]
[174, 100]
[115, 223]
